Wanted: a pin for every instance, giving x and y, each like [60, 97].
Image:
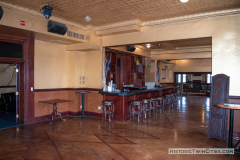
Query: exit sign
[22, 23]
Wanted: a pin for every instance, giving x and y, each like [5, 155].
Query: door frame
[26, 76]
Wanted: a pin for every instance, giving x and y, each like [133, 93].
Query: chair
[159, 103]
[108, 108]
[167, 98]
[146, 107]
[153, 103]
[132, 110]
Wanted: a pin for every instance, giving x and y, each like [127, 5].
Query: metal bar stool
[132, 110]
[146, 106]
[179, 94]
[107, 108]
[159, 103]
[167, 98]
[171, 97]
[153, 103]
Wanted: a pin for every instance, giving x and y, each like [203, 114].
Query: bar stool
[179, 93]
[108, 108]
[171, 97]
[146, 106]
[132, 110]
[153, 103]
[167, 98]
[160, 103]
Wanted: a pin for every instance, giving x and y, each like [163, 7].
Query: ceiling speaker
[131, 48]
[1, 12]
[56, 27]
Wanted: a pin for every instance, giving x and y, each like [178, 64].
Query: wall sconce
[166, 67]
[149, 64]
[137, 62]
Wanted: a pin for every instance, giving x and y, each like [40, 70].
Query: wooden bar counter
[122, 99]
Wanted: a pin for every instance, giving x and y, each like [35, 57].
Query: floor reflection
[182, 124]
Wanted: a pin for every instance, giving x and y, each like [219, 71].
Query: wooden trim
[67, 113]
[12, 39]
[11, 60]
[234, 97]
[26, 76]
[88, 89]
[193, 72]
[7, 86]
[64, 89]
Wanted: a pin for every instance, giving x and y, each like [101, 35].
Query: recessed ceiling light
[183, 1]
[87, 19]
[148, 45]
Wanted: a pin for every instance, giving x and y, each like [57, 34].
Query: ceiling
[177, 44]
[105, 12]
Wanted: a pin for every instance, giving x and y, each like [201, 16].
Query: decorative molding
[192, 17]
[66, 89]
[138, 22]
[118, 25]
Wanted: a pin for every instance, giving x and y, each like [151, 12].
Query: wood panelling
[121, 103]
[167, 84]
[92, 101]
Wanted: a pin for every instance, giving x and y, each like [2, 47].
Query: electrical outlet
[81, 106]
[99, 107]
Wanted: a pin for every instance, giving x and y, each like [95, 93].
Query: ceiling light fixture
[148, 46]
[87, 19]
[183, 1]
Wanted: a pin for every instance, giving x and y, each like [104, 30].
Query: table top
[227, 105]
[52, 101]
[83, 92]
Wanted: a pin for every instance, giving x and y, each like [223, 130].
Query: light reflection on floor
[182, 124]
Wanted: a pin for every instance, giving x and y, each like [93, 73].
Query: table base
[56, 113]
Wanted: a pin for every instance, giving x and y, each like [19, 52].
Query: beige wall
[194, 65]
[225, 33]
[51, 65]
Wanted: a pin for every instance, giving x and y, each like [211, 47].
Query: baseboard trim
[67, 113]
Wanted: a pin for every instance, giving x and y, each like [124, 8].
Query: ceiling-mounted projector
[47, 11]
[131, 48]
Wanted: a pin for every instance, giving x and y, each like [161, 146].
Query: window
[163, 73]
[184, 78]
[179, 78]
[209, 78]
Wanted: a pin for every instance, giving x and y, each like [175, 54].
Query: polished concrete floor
[181, 125]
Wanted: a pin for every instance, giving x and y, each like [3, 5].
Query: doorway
[194, 83]
[8, 97]
[25, 65]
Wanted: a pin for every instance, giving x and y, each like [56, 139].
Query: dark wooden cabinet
[122, 70]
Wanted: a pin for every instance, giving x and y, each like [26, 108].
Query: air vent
[75, 35]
